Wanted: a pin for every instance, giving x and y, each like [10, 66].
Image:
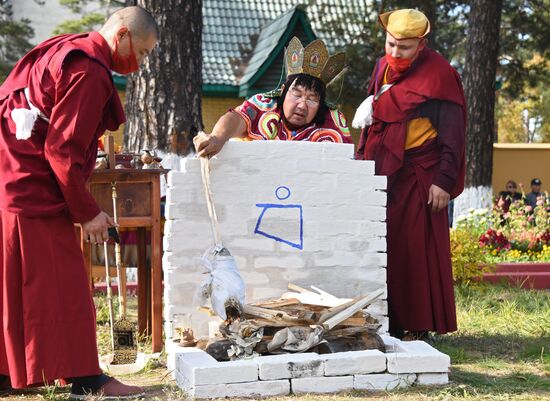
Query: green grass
[501, 352]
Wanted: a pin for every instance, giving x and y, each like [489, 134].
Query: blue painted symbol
[282, 193]
[285, 213]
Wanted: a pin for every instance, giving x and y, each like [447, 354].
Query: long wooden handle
[118, 258]
[109, 293]
[205, 173]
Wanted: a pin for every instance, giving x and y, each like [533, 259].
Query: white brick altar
[342, 246]
[290, 212]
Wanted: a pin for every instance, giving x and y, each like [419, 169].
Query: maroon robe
[48, 314]
[419, 273]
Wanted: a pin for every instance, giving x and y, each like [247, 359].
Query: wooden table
[138, 206]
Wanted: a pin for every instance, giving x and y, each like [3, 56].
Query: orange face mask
[125, 64]
[398, 64]
[401, 65]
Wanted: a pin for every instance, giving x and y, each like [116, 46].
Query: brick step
[523, 275]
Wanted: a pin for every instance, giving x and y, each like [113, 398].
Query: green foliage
[499, 353]
[14, 38]
[525, 119]
[523, 234]
[468, 258]
[525, 29]
[102, 309]
[89, 22]
[483, 238]
[89, 19]
[523, 57]
[360, 35]
[76, 6]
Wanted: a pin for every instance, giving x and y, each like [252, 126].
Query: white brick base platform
[405, 364]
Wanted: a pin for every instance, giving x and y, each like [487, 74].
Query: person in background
[509, 196]
[535, 194]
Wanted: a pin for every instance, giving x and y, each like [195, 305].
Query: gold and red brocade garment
[264, 122]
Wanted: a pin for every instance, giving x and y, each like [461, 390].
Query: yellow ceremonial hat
[405, 24]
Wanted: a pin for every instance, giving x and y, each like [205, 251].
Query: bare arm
[230, 125]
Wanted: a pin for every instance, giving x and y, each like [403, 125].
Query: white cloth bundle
[363, 115]
[24, 119]
[24, 122]
[224, 285]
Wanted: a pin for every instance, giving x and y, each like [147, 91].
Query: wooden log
[336, 309]
[277, 303]
[373, 341]
[348, 312]
[357, 342]
[319, 297]
[217, 348]
[296, 288]
[276, 315]
[306, 307]
[312, 298]
[340, 344]
[346, 332]
[274, 323]
[109, 147]
[261, 347]
[353, 321]
[325, 294]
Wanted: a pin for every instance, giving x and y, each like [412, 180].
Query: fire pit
[303, 213]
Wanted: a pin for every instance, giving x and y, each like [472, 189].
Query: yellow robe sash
[419, 130]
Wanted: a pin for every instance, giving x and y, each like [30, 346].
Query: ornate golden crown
[313, 60]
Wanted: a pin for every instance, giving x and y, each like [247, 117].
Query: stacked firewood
[302, 320]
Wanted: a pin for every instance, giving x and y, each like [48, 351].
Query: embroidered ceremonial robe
[264, 122]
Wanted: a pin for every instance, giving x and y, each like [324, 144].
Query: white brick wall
[288, 366]
[343, 211]
[383, 381]
[202, 377]
[322, 384]
[355, 362]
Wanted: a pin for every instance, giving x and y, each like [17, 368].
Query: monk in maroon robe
[415, 133]
[55, 104]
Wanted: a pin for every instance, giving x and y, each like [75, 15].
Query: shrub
[470, 260]
[520, 234]
[483, 238]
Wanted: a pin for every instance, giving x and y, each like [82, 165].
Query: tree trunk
[163, 99]
[479, 87]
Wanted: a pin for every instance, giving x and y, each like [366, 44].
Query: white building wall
[342, 249]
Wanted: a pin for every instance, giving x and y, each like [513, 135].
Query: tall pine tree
[163, 99]
[14, 38]
[479, 86]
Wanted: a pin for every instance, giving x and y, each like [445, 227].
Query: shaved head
[131, 33]
[138, 21]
